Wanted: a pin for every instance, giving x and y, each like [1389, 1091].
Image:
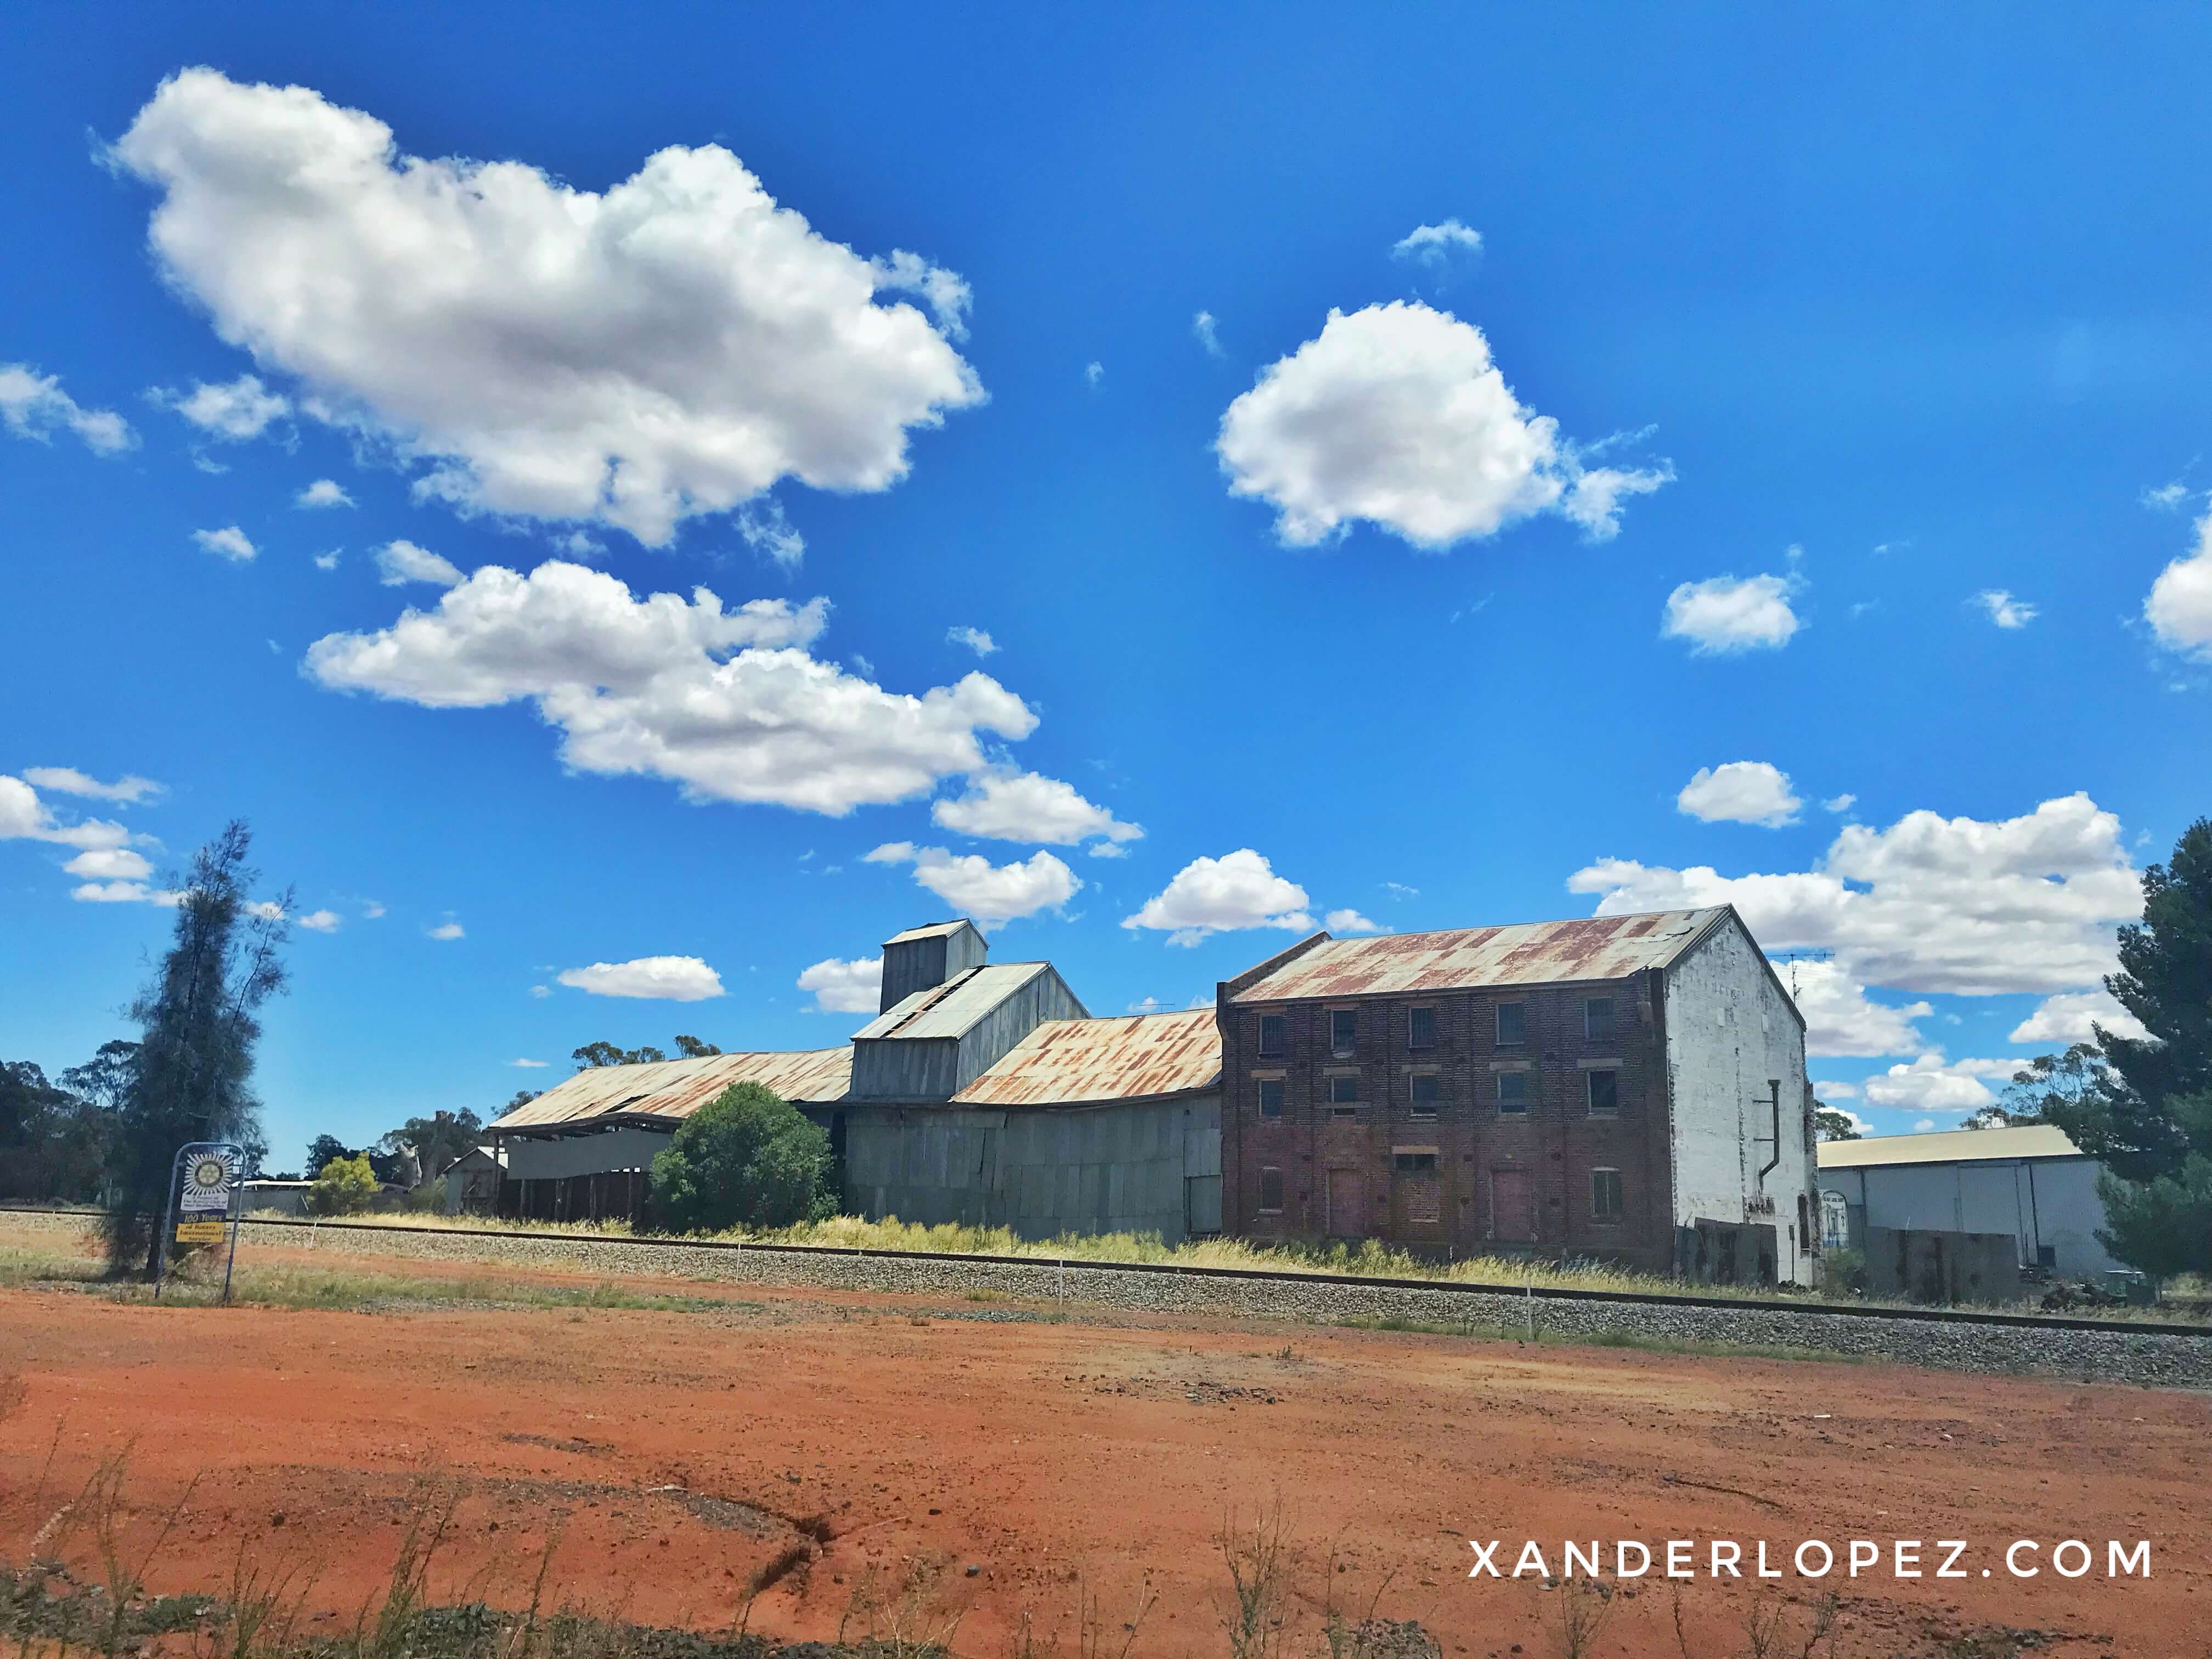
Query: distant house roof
[1073, 1062]
[953, 1009]
[1524, 953]
[670, 1091]
[1948, 1146]
[935, 930]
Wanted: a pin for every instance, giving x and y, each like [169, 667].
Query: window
[1598, 1018]
[1343, 1096]
[1427, 1091]
[1513, 1092]
[1604, 1093]
[1512, 1025]
[1274, 1033]
[1414, 1163]
[1271, 1097]
[1271, 1191]
[1343, 1030]
[1605, 1196]
[1421, 1028]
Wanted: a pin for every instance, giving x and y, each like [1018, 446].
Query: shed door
[1512, 1207]
[1346, 1196]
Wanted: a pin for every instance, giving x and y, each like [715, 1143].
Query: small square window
[1605, 1196]
[1343, 1030]
[1421, 1028]
[1414, 1163]
[1343, 1096]
[1274, 1033]
[1598, 1018]
[1512, 1025]
[1428, 1092]
[1271, 1191]
[1271, 1097]
[1513, 1092]
[1604, 1093]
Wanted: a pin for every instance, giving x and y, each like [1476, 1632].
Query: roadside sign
[205, 1188]
[201, 1232]
[207, 1182]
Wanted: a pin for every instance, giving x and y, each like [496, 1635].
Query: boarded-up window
[1271, 1191]
[1605, 1196]
[1271, 1097]
[1604, 1093]
[1512, 1025]
[1512, 1093]
[1420, 1190]
[1346, 1197]
[1343, 1030]
[1512, 1207]
[1428, 1090]
[1274, 1033]
[1421, 1028]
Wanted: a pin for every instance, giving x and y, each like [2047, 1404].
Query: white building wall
[2046, 1202]
[1730, 1030]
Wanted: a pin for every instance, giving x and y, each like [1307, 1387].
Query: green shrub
[747, 1159]
[343, 1186]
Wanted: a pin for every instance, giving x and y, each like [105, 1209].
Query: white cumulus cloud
[1740, 792]
[1351, 921]
[726, 704]
[1932, 1084]
[1841, 1019]
[1210, 896]
[66, 780]
[227, 543]
[845, 987]
[672, 346]
[24, 817]
[2179, 608]
[1005, 804]
[529, 1065]
[1435, 245]
[769, 533]
[109, 863]
[973, 638]
[399, 563]
[666, 979]
[1202, 329]
[1722, 614]
[2071, 1017]
[1396, 415]
[2003, 609]
[991, 893]
[448, 931]
[324, 492]
[33, 405]
[1842, 803]
[233, 412]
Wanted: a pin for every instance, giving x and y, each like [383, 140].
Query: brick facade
[1423, 1156]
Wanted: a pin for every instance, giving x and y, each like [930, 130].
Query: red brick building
[1630, 1088]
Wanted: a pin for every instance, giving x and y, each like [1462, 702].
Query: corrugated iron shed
[951, 1010]
[1071, 1061]
[670, 1091]
[1948, 1146]
[1526, 953]
[935, 930]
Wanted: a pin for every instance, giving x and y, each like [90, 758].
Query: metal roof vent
[922, 957]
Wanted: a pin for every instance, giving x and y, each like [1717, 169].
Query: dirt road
[894, 1458]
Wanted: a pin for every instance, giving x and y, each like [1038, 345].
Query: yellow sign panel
[200, 1232]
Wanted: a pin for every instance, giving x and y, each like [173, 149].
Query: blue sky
[1584, 402]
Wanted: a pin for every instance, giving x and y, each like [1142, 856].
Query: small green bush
[345, 1185]
[746, 1158]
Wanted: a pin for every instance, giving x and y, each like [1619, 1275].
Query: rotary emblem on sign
[207, 1182]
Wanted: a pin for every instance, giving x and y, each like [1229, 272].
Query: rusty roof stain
[670, 1091]
[1525, 953]
[1073, 1062]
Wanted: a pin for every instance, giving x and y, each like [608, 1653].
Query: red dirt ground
[671, 1455]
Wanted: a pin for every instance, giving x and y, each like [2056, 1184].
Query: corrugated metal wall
[1142, 1167]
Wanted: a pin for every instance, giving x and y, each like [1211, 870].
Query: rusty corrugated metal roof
[1069, 1062]
[674, 1089]
[1526, 953]
[951, 1010]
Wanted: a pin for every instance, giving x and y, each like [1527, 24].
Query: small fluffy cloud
[324, 492]
[1839, 803]
[1202, 329]
[449, 930]
[33, 405]
[2166, 496]
[1841, 1019]
[769, 533]
[1093, 374]
[529, 1065]
[1004, 805]
[233, 412]
[1210, 896]
[1932, 1084]
[973, 638]
[1435, 246]
[1351, 921]
[724, 703]
[121, 892]
[68, 780]
[1722, 616]
[666, 979]
[24, 817]
[321, 921]
[2179, 608]
[2071, 1017]
[2003, 609]
[228, 542]
[845, 987]
[110, 864]
[400, 562]
[1931, 904]
[673, 346]
[992, 893]
[1396, 415]
[1740, 792]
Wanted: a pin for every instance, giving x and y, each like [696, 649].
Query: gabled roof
[1948, 1146]
[1524, 953]
[935, 930]
[954, 1008]
[669, 1091]
[1071, 1062]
